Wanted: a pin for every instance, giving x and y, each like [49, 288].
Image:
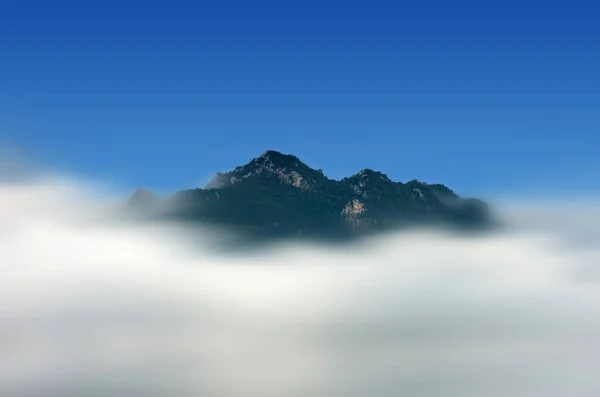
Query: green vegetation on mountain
[277, 195]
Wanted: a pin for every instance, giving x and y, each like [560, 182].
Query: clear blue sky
[483, 96]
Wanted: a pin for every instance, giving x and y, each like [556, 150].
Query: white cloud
[91, 306]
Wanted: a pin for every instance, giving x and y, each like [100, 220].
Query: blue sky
[481, 96]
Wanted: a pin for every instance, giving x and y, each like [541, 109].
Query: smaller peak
[142, 196]
[142, 192]
[368, 172]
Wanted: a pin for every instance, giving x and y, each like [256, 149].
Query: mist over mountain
[277, 195]
[93, 306]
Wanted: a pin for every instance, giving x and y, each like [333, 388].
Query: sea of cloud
[95, 305]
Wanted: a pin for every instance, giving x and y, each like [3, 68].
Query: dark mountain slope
[277, 195]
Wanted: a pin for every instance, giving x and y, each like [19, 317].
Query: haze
[93, 305]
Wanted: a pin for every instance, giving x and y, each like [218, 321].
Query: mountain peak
[143, 200]
[271, 165]
[277, 195]
[142, 195]
[367, 173]
[273, 153]
[278, 159]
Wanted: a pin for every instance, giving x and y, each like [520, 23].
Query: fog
[95, 305]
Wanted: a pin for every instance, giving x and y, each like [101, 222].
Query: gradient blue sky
[482, 96]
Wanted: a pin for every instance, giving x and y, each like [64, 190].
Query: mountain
[276, 195]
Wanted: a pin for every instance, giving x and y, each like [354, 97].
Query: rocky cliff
[277, 195]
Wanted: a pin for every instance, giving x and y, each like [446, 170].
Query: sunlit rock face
[354, 215]
[277, 195]
[286, 169]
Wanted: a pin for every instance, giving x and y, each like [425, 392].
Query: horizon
[22, 165]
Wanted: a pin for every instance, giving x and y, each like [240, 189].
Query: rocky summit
[276, 195]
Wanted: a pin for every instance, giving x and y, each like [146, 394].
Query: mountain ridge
[277, 195]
